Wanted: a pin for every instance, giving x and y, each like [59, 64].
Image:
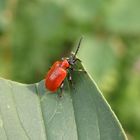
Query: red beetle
[58, 72]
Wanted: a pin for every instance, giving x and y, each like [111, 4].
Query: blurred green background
[35, 33]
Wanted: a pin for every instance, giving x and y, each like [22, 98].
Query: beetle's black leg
[70, 79]
[78, 70]
[61, 89]
[77, 59]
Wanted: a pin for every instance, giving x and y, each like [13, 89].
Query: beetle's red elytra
[56, 75]
[59, 70]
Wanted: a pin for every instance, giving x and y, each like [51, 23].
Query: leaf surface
[30, 112]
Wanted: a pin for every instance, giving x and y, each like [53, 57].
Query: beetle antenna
[78, 47]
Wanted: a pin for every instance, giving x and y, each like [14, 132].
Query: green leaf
[31, 112]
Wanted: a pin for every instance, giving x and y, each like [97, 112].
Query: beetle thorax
[65, 64]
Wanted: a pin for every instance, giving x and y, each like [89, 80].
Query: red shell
[56, 75]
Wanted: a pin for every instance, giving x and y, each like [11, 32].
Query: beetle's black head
[72, 59]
